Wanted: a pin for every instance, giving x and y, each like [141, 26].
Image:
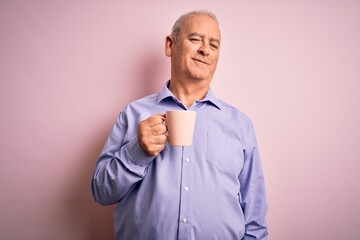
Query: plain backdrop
[67, 68]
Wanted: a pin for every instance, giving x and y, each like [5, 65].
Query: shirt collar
[209, 97]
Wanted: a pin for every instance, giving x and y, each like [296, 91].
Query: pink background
[68, 67]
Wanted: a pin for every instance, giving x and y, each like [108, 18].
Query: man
[213, 189]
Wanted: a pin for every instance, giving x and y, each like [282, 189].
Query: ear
[168, 45]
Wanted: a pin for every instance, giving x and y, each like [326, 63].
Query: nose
[204, 49]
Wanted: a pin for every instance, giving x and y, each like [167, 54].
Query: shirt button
[186, 188]
[187, 159]
[185, 220]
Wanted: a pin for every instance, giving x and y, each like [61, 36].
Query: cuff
[138, 156]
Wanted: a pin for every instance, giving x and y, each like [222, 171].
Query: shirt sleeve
[121, 164]
[253, 196]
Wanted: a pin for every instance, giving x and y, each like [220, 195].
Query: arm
[253, 198]
[122, 162]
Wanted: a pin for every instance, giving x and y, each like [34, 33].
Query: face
[195, 54]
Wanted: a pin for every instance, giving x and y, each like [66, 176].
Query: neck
[188, 92]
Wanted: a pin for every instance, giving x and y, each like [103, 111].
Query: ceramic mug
[180, 126]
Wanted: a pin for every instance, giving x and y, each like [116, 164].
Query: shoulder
[135, 109]
[242, 123]
[234, 113]
[142, 103]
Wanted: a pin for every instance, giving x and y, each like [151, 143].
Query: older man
[213, 189]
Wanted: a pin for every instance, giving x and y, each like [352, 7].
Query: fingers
[153, 125]
[154, 145]
[151, 134]
[156, 119]
[159, 140]
[159, 129]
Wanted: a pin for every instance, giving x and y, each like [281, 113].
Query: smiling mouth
[198, 60]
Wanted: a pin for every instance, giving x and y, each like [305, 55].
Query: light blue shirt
[213, 189]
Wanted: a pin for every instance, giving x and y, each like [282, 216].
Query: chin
[200, 76]
[203, 80]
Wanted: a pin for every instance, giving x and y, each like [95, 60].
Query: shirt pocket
[225, 152]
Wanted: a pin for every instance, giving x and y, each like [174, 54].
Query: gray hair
[179, 22]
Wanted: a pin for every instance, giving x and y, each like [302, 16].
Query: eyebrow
[195, 34]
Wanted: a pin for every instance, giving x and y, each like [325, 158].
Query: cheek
[216, 56]
[215, 59]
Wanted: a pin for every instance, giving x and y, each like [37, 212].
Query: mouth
[201, 61]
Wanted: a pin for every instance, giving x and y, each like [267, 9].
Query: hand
[151, 134]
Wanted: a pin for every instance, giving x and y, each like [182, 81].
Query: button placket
[185, 202]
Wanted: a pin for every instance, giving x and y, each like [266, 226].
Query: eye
[214, 46]
[195, 40]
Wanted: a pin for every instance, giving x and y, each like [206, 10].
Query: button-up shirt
[213, 189]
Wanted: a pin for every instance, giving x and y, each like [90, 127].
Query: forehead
[201, 24]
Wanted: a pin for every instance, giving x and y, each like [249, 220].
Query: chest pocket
[225, 152]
